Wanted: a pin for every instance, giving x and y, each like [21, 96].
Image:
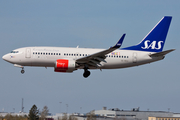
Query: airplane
[67, 60]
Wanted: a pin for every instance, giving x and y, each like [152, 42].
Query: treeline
[35, 114]
[10, 117]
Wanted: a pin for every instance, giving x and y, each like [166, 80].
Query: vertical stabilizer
[154, 41]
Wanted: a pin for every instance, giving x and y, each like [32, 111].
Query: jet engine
[64, 65]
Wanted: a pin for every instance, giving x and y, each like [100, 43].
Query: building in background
[113, 114]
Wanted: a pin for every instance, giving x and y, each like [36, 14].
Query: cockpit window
[14, 51]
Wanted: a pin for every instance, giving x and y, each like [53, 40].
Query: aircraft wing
[95, 59]
[161, 53]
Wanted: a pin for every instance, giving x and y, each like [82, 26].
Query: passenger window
[56, 53]
[59, 53]
[38, 53]
[124, 56]
[127, 56]
[43, 53]
[51, 53]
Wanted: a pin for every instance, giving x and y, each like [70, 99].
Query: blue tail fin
[154, 41]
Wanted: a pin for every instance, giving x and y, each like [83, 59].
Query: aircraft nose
[6, 57]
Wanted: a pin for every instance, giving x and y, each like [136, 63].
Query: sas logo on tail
[153, 45]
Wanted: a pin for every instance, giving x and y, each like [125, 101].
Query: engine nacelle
[64, 65]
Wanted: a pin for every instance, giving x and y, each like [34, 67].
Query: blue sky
[90, 24]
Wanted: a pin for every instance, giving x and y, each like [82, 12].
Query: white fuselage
[65, 59]
[47, 56]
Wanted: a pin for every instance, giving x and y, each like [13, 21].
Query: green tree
[33, 113]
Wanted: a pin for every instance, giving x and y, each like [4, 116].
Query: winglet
[119, 43]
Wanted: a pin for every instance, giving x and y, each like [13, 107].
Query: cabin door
[134, 57]
[28, 53]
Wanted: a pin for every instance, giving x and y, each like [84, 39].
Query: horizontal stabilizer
[161, 53]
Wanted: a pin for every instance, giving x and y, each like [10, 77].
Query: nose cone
[6, 57]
